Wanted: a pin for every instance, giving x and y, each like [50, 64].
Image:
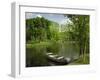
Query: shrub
[35, 55]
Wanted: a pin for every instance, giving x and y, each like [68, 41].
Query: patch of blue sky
[59, 18]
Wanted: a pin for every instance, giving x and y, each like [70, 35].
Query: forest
[70, 39]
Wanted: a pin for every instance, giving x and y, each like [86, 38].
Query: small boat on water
[58, 60]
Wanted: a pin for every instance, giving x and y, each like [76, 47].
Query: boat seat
[49, 53]
[60, 57]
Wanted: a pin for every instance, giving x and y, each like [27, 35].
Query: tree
[37, 29]
[54, 31]
[80, 32]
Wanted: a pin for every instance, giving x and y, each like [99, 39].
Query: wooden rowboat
[58, 60]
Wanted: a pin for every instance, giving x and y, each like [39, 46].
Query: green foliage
[80, 31]
[54, 47]
[36, 53]
[37, 28]
[81, 60]
[54, 31]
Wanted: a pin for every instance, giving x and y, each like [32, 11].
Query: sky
[59, 18]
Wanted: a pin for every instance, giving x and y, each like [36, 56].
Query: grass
[35, 53]
[82, 60]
